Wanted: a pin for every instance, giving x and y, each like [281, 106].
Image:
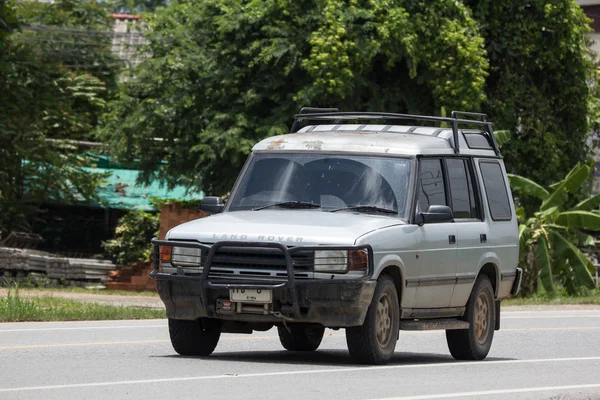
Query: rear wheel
[475, 342]
[306, 337]
[194, 338]
[375, 341]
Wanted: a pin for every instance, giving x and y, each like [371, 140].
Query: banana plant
[549, 237]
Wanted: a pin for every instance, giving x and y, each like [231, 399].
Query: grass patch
[75, 289]
[592, 297]
[13, 308]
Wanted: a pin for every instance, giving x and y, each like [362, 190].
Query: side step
[433, 324]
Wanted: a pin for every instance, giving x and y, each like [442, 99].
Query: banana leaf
[572, 183]
[527, 187]
[557, 198]
[546, 213]
[542, 258]
[502, 137]
[579, 220]
[585, 240]
[576, 177]
[580, 264]
[524, 236]
[589, 204]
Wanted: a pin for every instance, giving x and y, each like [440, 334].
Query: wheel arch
[489, 267]
[393, 267]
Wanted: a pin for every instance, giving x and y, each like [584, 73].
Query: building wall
[171, 215]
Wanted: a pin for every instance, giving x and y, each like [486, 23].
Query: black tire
[305, 337]
[367, 344]
[475, 343]
[194, 338]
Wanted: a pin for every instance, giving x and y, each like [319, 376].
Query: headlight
[186, 256]
[331, 261]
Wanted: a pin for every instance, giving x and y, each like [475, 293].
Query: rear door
[471, 230]
[503, 236]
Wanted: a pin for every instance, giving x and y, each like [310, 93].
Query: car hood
[290, 227]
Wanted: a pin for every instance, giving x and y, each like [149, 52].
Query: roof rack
[332, 114]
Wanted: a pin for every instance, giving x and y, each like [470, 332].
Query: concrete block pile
[23, 263]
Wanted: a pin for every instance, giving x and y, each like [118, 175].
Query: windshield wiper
[290, 204]
[366, 208]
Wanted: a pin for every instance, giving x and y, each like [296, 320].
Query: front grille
[256, 263]
[259, 258]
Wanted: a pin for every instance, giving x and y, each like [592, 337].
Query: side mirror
[436, 214]
[212, 204]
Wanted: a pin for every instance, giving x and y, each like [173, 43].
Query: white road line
[297, 372]
[547, 316]
[81, 328]
[493, 392]
[537, 312]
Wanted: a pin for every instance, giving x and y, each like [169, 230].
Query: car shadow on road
[324, 357]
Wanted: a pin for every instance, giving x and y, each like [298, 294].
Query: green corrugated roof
[121, 191]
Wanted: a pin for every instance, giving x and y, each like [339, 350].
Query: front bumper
[332, 302]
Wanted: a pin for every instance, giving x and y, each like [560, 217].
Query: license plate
[261, 296]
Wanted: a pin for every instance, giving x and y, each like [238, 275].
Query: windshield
[323, 181]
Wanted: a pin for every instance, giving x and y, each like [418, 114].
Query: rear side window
[495, 190]
[461, 190]
[432, 190]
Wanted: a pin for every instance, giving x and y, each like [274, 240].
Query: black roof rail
[454, 121]
[488, 125]
[307, 110]
[482, 117]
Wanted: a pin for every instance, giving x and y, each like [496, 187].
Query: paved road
[537, 355]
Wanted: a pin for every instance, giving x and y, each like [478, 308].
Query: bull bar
[206, 283]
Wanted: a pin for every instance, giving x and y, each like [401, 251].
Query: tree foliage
[542, 85]
[43, 101]
[549, 236]
[132, 238]
[135, 6]
[224, 74]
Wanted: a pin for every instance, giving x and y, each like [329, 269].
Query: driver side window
[431, 190]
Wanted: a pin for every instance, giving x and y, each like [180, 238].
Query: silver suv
[374, 228]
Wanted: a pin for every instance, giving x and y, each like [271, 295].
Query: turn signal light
[165, 253]
[358, 260]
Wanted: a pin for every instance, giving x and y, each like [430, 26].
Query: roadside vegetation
[545, 299]
[552, 233]
[14, 308]
[75, 289]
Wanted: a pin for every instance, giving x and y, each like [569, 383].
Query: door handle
[452, 239]
[483, 238]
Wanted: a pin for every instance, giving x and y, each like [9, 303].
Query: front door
[438, 256]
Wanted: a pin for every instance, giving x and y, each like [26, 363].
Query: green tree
[132, 238]
[77, 34]
[135, 6]
[542, 85]
[549, 236]
[40, 100]
[224, 74]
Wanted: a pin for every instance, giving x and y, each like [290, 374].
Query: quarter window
[495, 190]
[432, 190]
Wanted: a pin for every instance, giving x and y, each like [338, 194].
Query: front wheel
[375, 341]
[194, 338]
[475, 342]
[301, 337]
